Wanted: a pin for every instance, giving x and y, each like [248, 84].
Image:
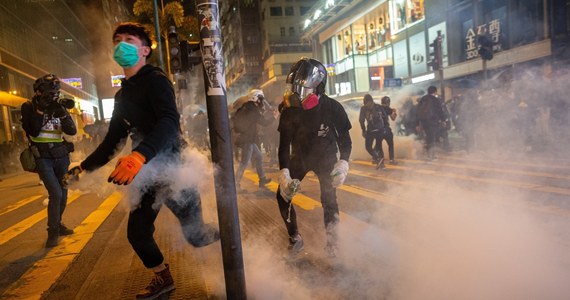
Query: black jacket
[32, 123]
[429, 110]
[145, 109]
[246, 120]
[314, 136]
[372, 118]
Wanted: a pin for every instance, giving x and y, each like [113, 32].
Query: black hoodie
[145, 108]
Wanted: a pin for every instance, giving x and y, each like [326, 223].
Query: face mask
[126, 55]
[311, 101]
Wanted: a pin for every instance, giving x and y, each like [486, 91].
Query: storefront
[357, 45]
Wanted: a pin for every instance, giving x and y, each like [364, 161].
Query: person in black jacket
[388, 136]
[313, 128]
[45, 120]
[372, 123]
[430, 115]
[145, 110]
[246, 119]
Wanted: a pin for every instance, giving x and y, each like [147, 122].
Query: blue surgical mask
[126, 55]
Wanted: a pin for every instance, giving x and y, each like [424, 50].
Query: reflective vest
[51, 132]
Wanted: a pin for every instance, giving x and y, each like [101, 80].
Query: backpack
[375, 118]
[425, 110]
[240, 121]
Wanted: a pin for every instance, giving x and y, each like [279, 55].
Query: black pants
[140, 227]
[430, 128]
[388, 136]
[328, 194]
[373, 144]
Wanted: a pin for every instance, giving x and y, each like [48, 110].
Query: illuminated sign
[74, 82]
[330, 69]
[423, 78]
[108, 107]
[116, 80]
[493, 28]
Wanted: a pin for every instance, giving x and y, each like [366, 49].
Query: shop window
[275, 11]
[406, 12]
[347, 43]
[527, 21]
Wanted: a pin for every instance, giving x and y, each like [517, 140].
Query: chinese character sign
[493, 29]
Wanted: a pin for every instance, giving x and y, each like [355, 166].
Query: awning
[11, 100]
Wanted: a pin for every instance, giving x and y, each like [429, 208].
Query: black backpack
[240, 120]
[375, 118]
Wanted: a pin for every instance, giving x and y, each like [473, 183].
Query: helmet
[255, 95]
[47, 90]
[47, 83]
[307, 76]
[386, 100]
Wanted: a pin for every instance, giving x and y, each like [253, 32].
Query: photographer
[45, 119]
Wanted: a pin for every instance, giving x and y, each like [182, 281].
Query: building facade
[282, 29]
[242, 45]
[42, 37]
[371, 46]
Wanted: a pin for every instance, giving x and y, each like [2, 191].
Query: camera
[66, 102]
[55, 105]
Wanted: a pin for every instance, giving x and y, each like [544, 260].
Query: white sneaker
[296, 244]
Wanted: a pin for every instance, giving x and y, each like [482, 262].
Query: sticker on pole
[212, 58]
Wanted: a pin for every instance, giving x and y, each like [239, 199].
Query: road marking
[494, 181]
[542, 207]
[30, 221]
[305, 202]
[19, 204]
[300, 200]
[45, 272]
[497, 170]
[560, 163]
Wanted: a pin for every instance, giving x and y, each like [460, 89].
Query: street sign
[392, 82]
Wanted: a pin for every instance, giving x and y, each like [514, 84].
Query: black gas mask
[47, 98]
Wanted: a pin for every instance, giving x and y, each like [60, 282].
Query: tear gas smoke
[440, 240]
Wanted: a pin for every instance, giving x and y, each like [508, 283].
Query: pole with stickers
[221, 147]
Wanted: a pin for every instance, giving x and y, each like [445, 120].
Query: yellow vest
[51, 132]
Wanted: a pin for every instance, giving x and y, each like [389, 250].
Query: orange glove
[127, 168]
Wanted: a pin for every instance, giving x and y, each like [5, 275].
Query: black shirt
[145, 108]
[314, 135]
[246, 120]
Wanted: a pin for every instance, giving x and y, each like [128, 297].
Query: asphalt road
[462, 227]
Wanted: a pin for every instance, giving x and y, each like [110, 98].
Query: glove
[127, 168]
[339, 172]
[287, 186]
[393, 114]
[71, 176]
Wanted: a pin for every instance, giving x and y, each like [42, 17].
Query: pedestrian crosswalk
[400, 188]
[44, 273]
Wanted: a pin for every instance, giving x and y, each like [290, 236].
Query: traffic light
[485, 46]
[435, 58]
[174, 50]
[190, 54]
